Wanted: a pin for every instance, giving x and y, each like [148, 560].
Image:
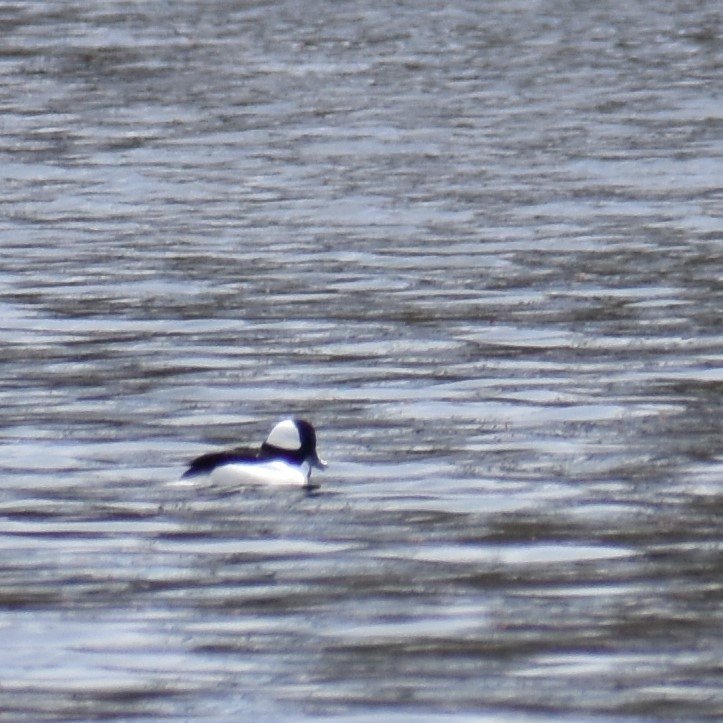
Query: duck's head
[294, 440]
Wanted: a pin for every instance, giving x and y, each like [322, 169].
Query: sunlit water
[479, 245]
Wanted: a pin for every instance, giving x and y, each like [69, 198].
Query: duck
[286, 458]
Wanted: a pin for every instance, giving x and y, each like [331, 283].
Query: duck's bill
[318, 462]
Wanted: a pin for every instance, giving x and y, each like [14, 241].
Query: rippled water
[478, 244]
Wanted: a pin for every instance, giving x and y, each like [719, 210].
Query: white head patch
[285, 435]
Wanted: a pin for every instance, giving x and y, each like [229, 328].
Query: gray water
[479, 244]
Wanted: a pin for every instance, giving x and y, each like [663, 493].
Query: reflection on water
[478, 247]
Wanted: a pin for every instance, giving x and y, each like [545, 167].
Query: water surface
[478, 244]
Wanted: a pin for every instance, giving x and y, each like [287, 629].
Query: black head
[293, 440]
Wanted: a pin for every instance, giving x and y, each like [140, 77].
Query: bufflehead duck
[285, 458]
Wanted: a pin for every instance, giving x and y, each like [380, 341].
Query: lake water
[479, 244]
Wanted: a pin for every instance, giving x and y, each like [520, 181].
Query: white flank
[285, 435]
[275, 473]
